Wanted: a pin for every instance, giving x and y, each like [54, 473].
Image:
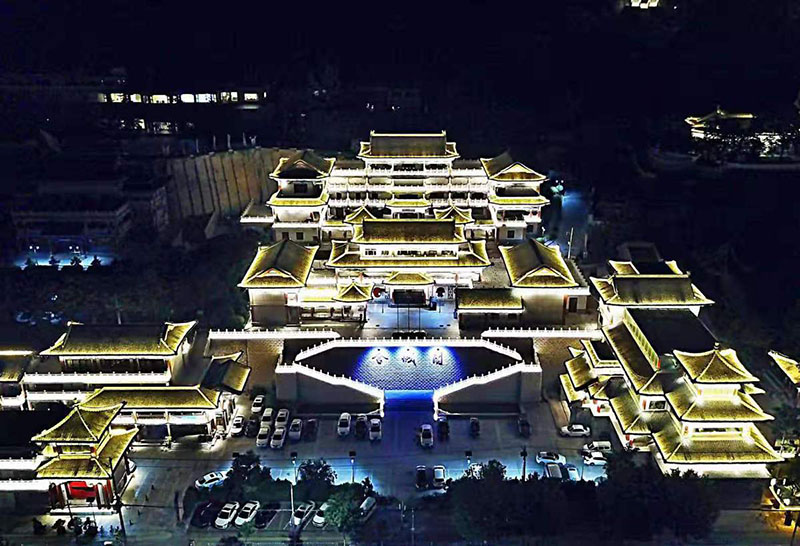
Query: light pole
[468, 455]
[293, 455]
[353, 466]
[524, 455]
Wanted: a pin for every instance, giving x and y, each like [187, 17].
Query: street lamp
[292, 483]
[468, 455]
[353, 466]
[524, 455]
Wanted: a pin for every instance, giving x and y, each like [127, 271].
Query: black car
[205, 514]
[361, 427]
[265, 515]
[443, 428]
[421, 477]
[310, 430]
[474, 427]
[252, 426]
[523, 426]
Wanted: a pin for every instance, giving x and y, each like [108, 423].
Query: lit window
[117, 97]
[138, 123]
[187, 97]
[251, 96]
[224, 96]
[136, 97]
[234, 96]
[205, 97]
[101, 97]
[159, 99]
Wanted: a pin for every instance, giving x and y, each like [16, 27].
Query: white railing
[483, 379]
[426, 342]
[56, 396]
[12, 401]
[337, 380]
[24, 485]
[133, 378]
[21, 463]
[273, 334]
[580, 332]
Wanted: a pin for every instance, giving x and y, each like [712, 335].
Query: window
[187, 97]
[136, 97]
[206, 97]
[117, 97]
[370, 252]
[285, 235]
[251, 96]
[511, 233]
[657, 405]
[300, 188]
[159, 99]
[299, 236]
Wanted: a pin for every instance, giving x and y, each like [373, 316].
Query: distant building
[718, 120]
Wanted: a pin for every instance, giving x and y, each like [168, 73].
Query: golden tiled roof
[632, 419]
[717, 115]
[598, 362]
[531, 264]
[475, 256]
[278, 199]
[570, 392]
[147, 398]
[81, 425]
[488, 298]
[649, 290]
[635, 364]
[284, 264]
[401, 202]
[789, 366]
[503, 168]
[121, 339]
[354, 293]
[397, 231]
[12, 368]
[751, 447]
[688, 406]
[100, 465]
[629, 268]
[400, 278]
[580, 371]
[408, 145]
[358, 215]
[715, 366]
[303, 164]
[460, 216]
[532, 199]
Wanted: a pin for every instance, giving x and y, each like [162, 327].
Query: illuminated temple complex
[668, 386]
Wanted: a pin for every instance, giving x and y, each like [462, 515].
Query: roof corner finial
[716, 345]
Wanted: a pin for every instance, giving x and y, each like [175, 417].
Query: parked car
[421, 477]
[572, 472]
[310, 430]
[212, 479]
[367, 508]
[278, 438]
[361, 426]
[296, 429]
[205, 514]
[237, 427]
[247, 513]
[282, 419]
[426, 435]
[375, 429]
[598, 445]
[576, 430]
[439, 476]
[265, 515]
[258, 405]
[252, 427]
[226, 515]
[319, 516]
[343, 426]
[550, 457]
[523, 426]
[474, 427]
[442, 428]
[264, 435]
[595, 458]
[268, 416]
[553, 471]
[24, 317]
[301, 512]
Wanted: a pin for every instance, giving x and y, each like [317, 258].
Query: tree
[691, 504]
[343, 510]
[316, 470]
[787, 421]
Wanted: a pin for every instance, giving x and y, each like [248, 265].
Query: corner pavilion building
[405, 223]
[668, 386]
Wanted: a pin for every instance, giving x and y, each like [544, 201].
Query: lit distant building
[644, 4]
[716, 121]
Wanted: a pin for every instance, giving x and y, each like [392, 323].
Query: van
[597, 445]
[366, 508]
[553, 470]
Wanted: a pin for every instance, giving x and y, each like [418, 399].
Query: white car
[576, 431]
[278, 438]
[258, 405]
[319, 517]
[267, 416]
[426, 435]
[247, 513]
[343, 426]
[210, 480]
[375, 429]
[439, 476]
[226, 515]
[282, 419]
[296, 429]
[301, 512]
[262, 440]
[572, 472]
[550, 457]
[595, 458]
[237, 427]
